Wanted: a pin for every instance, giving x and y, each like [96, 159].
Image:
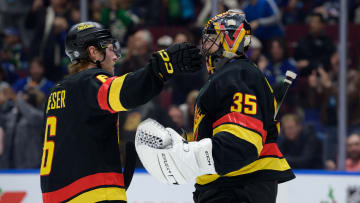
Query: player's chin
[111, 64]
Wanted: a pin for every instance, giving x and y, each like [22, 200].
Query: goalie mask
[224, 37]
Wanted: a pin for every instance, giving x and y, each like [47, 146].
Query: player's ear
[93, 52]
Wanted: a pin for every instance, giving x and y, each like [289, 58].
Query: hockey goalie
[235, 157]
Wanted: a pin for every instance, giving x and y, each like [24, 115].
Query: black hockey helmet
[85, 34]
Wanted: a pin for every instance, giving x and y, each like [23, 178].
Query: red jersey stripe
[83, 184]
[271, 149]
[243, 120]
[102, 95]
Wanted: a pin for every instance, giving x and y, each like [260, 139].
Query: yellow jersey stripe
[101, 194]
[242, 133]
[267, 163]
[114, 94]
[205, 179]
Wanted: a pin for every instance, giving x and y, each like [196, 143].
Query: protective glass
[116, 48]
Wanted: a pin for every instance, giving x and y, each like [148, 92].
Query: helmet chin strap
[97, 62]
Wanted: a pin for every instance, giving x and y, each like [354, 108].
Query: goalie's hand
[183, 57]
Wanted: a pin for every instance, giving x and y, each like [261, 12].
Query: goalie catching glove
[170, 158]
[183, 57]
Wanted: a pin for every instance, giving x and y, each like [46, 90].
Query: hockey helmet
[85, 34]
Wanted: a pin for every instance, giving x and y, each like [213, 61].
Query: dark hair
[291, 116]
[321, 17]
[188, 35]
[37, 60]
[283, 45]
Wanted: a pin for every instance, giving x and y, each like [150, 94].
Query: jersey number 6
[49, 146]
[244, 103]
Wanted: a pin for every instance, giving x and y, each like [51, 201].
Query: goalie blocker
[168, 157]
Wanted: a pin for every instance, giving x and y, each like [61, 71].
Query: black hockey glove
[177, 58]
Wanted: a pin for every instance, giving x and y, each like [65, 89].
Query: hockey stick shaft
[290, 77]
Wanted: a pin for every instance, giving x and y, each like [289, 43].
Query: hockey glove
[168, 157]
[183, 57]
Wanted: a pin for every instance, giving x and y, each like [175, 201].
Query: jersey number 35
[244, 103]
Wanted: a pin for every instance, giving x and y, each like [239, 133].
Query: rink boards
[310, 186]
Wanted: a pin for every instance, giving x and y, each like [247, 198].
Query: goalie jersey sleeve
[235, 108]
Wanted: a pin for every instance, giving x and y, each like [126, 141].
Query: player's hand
[177, 58]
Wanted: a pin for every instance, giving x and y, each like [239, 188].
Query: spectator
[49, 25]
[330, 10]
[22, 129]
[264, 17]
[279, 62]
[356, 12]
[118, 17]
[96, 7]
[314, 49]
[12, 54]
[35, 79]
[319, 98]
[13, 14]
[293, 12]
[328, 81]
[353, 153]
[177, 117]
[74, 14]
[183, 36]
[204, 14]
[187, 110]
[353, 98]
[300, 144]
[7, 119]
[139, 49]
[27, 140]
[255, 53]
[275, 71]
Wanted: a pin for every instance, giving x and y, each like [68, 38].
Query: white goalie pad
[168, 157]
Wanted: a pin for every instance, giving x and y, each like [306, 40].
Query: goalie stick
[289, 78]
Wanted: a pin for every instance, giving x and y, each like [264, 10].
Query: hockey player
[81, 160]
[235, 157]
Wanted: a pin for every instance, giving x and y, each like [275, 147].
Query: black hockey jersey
[81, 159]
[236, 109]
